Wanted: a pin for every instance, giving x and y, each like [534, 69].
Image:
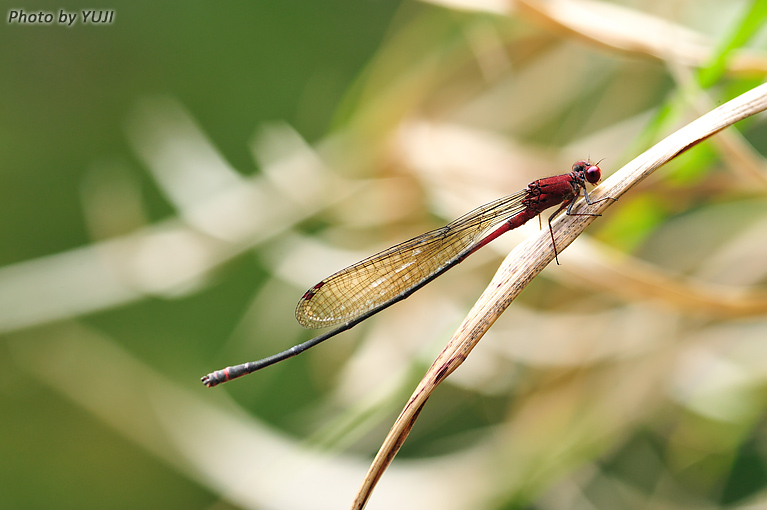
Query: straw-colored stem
[530, 257]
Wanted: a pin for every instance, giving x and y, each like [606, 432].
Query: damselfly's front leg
[588, 201]
[569, 206]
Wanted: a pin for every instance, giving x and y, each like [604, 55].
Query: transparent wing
[375, 281]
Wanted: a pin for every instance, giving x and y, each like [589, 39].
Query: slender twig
[529, 259]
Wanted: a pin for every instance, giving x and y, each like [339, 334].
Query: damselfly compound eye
[593, 174]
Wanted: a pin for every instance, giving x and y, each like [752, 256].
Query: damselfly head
[590, 172]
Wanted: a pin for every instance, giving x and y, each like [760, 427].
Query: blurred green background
[174, 181]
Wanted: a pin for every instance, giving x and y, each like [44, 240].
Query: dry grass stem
[530, 257]
[627, 30]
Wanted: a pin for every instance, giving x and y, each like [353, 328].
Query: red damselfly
[354, 294]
